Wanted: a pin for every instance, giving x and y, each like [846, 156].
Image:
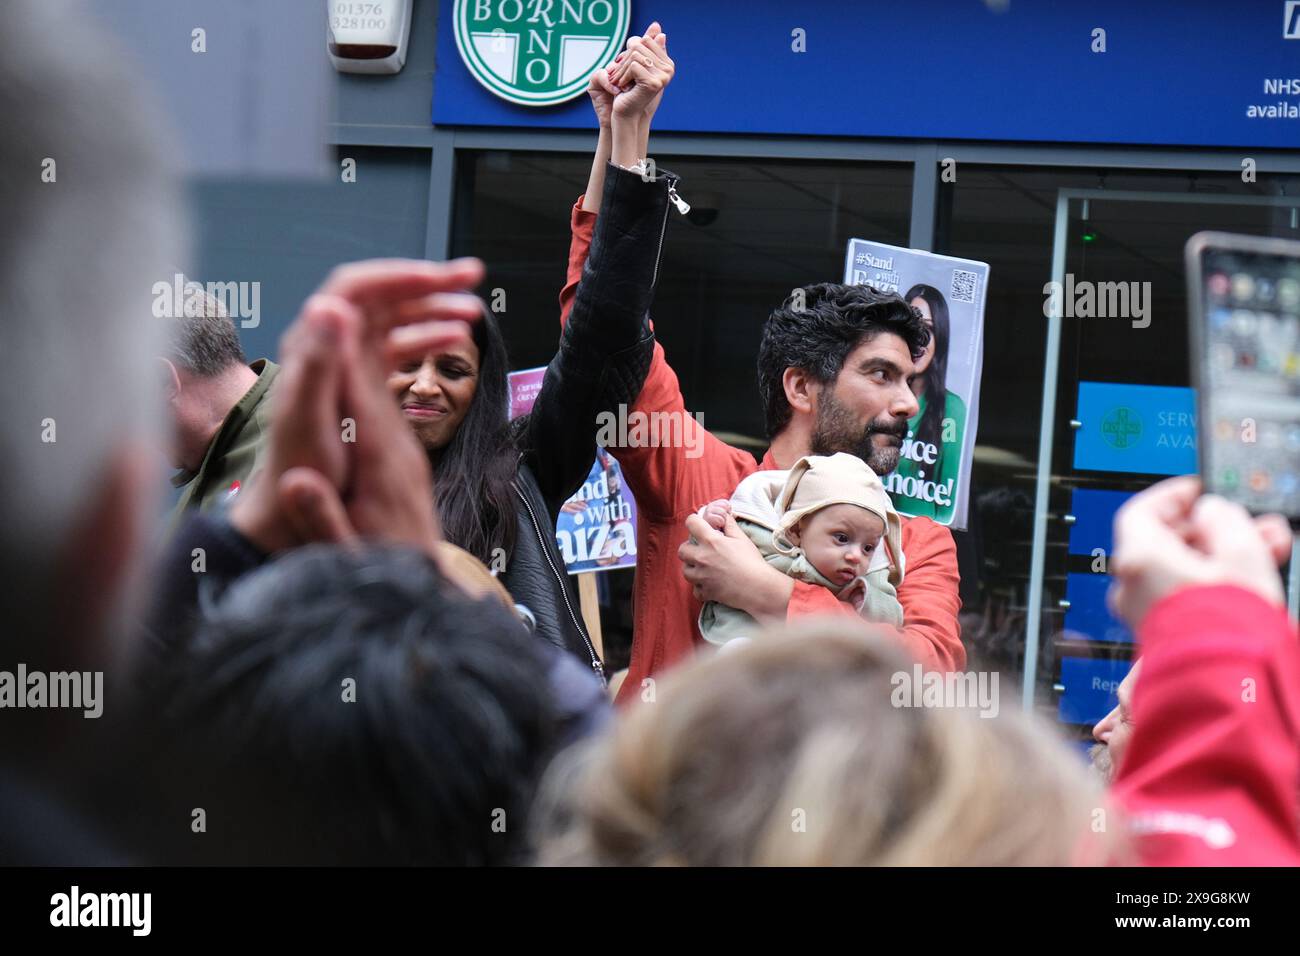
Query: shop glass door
[1118, 414]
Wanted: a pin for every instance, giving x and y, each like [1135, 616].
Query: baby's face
[839, 540]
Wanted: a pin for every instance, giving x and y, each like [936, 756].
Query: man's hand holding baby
[723, 565]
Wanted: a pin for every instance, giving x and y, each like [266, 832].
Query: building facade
[1021, 138]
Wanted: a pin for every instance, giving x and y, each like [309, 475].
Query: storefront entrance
[1117, 412]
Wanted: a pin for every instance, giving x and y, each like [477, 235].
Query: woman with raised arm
[499, 485]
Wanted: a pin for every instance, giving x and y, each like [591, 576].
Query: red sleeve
[928, 594]
[581, 226]
[673, 480]
[808, 599]
[1211, 770]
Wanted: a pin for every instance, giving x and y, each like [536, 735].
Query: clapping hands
[342, 463]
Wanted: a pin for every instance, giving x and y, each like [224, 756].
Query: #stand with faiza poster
[596, 527]
[933, 474]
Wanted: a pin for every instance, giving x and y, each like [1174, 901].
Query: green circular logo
[1121, 427]
[539, 52]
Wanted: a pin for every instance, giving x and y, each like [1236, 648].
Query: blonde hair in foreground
[790, 753]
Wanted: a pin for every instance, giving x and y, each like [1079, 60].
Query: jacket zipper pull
[598, 666]
[682, 205]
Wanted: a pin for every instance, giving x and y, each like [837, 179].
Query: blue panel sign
[1091, 688]
[1088, 617]
[1160, 72]
[1137, 429]
[1094, 519]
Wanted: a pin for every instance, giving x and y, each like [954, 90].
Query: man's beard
[836, 430]
[1101, 763]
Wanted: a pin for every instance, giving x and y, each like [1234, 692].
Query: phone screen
[1250, 376]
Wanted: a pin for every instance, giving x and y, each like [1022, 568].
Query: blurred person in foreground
[373, 698]
[352, 706]
[791, 751]
[1112, 732]
[91, 220]
[1208, 772]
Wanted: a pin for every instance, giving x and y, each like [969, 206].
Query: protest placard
[933, 474]
[596, 529]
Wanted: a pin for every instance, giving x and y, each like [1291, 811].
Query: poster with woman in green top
[933, 474]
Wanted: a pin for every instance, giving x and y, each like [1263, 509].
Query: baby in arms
[821, 522]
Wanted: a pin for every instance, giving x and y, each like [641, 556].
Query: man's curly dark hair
[817, 327]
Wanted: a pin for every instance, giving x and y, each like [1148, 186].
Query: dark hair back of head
[817, 327]
[432, 761]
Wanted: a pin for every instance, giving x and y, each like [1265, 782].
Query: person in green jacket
[931, 469]
[219, 408]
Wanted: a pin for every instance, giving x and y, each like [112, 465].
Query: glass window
[1006, 216]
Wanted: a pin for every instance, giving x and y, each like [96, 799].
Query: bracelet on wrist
[641, 167]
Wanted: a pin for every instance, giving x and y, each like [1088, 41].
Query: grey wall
[250, 96]
[403, 100]
[288, 232]
[287, 235]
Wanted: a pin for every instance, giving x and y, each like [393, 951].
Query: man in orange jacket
[834, 368]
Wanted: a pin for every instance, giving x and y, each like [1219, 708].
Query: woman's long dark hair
[472, 474]
[929, 429]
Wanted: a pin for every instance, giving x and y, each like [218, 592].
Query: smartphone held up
[1244, 311]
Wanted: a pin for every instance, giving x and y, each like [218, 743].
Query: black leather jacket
[602, 362]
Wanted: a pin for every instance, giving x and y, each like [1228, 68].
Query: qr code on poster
[963, 286]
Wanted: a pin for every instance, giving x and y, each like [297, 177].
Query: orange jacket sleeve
[581, 226]
[667, 481]
[929, 595]
[810, 599]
